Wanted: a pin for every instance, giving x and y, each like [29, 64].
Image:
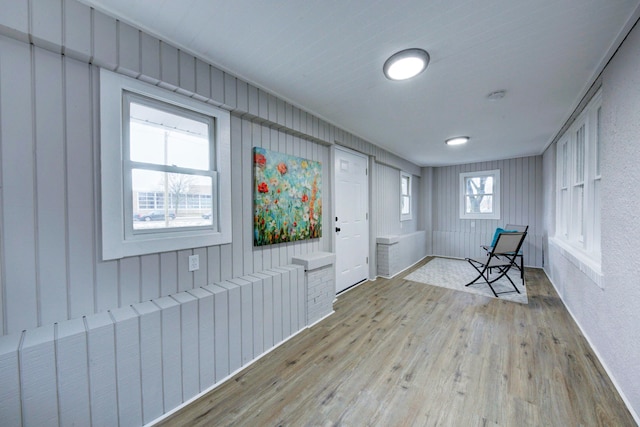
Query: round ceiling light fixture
[406, 64]
[458, 140]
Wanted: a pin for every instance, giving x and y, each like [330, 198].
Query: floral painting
[287, 198]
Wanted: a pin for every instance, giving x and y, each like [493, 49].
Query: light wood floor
[399, 353]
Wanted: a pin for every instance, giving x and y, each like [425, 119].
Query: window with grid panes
[158, 145]
[578, 184]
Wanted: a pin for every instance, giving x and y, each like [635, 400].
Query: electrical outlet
[194, 262]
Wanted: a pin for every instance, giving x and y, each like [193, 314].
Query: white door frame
[371, 248]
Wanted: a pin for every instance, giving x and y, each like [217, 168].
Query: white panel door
[352, 224]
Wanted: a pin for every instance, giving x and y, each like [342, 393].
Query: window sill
[585, 263]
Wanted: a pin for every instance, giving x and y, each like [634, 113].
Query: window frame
[406, 216]
[578, 209]
[118, 238]
[495, 212]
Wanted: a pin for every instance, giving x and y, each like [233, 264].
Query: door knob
[337, 229]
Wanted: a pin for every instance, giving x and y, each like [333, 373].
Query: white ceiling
[327, 57]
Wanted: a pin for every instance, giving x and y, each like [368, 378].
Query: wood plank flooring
[399, 353]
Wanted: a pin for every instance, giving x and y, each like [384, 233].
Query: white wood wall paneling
[297, 296]
[50, 187]
[18, 172]
[203, 81]
[213, 267]
[38, 377]
[72, 370]
[276, 282]
[242, 89]
[234, 322]
[148, 353]
[217, 86]
[149, 58]
[128, 49]
[221, 334]
[189, 344]
[263, 106]
[206, 337]
[150, 277]
[252, 101]
[169, 66]
[185, 277]
[151, 375]
[171, 354]
[81, 221]
[246, 319]
[521, 200]
[230, 92]
[77, 37]
[127, 348]
[187, 70]
[297, 309]
[106, 285]
[267, 309]
[15, 18]
[273, 307]
[257, 314]
[46, 24]
[168, 273]
[128, 281]
[286, 302]
[236, 202]
[302, 296]
[102, 369]
[10, 392]
[226, 262]
[200, 275]
[116, 45]
[104, 41]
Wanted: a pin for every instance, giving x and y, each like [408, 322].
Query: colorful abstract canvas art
[287, 198]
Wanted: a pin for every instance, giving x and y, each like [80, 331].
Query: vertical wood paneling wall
[88, 342]
[521, 203]
[129, 366]
[49, 164]
[387, 201]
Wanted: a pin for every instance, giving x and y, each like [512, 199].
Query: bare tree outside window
[178, 186]
[480, 195]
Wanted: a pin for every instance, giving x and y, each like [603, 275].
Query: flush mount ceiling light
[458, 140]
[406, 64]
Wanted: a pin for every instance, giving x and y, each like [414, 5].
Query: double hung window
[480, 195]
[578, 184]
[165, 170]
[405, 196]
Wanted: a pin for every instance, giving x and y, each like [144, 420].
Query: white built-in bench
[396, 253]
[134, 364]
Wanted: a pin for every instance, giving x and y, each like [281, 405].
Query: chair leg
[487, 279]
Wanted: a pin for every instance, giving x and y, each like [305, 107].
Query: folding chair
[509, 228]
[502, 257]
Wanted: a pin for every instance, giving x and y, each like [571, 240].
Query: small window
[405, 196]
[165, 170]
[480, 195]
